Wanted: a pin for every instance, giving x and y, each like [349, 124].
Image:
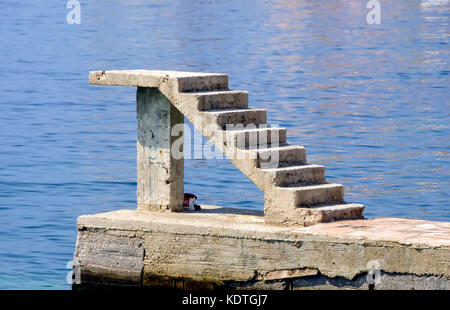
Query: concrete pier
[235, 249]
[307, 237]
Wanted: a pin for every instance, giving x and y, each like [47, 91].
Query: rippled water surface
[371, 102]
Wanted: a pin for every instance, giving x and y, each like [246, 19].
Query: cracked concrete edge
[176, 245]
[184, 81]
[106, 260]
[243, 223]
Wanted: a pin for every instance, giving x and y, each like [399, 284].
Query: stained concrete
[226, 247]
[159, 174]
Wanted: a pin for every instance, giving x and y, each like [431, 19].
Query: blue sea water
[370, 102]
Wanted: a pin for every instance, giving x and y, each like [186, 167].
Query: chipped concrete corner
[225, 247]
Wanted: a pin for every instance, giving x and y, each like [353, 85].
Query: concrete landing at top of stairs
[186, 81]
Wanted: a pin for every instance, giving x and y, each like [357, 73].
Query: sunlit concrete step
[226, 99]
[296, 174]
[317, 214]
[179, 80]
[231, 117]
[276, 156]
[202, 82]
[329, 213]
[254, 138]
[297, 195]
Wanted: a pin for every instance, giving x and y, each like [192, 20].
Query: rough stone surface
[321, 282]
[296, 174]
[181, 81]
[108, 258]
[159, 173]
[387, 281]
[219, 100]
[222, 246]
[286, 154]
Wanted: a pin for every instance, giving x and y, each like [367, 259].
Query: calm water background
[371, 102]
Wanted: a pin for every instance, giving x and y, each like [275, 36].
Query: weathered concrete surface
[226, 247]
[295, 193]
[387, 281]
[182, 81]
[110, 259]
[159, 173]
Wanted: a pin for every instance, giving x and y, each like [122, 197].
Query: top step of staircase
[186, 81]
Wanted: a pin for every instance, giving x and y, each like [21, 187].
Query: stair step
[296, 174]
[228, 99]
[328, 213]
[316, 214]
[273, 157]
[299, 195]
[202, 82]
[252, 138]
[232, 117]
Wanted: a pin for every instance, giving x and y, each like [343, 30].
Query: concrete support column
[159, 175]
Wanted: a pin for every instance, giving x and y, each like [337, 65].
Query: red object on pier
[189, 201]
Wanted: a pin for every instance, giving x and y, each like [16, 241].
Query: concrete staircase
[295, 192]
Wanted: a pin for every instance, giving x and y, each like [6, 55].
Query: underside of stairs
[296, 192]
